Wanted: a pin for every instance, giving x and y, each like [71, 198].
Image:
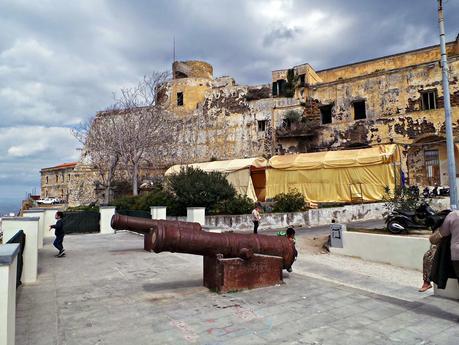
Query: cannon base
[233, 274]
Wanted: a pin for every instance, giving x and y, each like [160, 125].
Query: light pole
[447, 105]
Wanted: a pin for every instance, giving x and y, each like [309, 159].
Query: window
[275, 88]
[432, 163]
[261, 125]
[57, 178]
[286, 123]
[179, 99]
[429, 100]
[302, 79]
[279, 87]
[46, 179]
[68, 177]
[359, 110]
[326, 114]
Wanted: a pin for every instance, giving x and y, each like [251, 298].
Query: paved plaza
[108, 291]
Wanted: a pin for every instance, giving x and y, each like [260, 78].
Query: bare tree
[146, 134]
[146, 124]
[133, 131]
[101, 136]
[144, 94]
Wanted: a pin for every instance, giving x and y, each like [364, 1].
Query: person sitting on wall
[429, 256]
[446, 262]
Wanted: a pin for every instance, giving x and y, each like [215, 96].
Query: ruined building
[395, 99]
[392, 99]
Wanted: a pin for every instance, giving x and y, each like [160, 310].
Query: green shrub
[127, 202]
[196, 188]
[240, 204]
[293, 201]
[92, 208]
[157, 197]
[402, 197]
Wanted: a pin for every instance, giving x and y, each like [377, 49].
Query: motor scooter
[422, 218]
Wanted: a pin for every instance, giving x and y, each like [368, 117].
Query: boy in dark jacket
[59, 232]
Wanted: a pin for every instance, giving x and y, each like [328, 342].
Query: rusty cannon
[231, 261]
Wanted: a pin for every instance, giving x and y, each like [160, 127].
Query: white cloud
[60, 61]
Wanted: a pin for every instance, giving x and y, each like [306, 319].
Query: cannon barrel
[144, 225]
[183, 237]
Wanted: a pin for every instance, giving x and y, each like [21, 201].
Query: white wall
[10, 226]
[401, 251]
[49, 219]
[8, 294]
[106, 214]
[41, 215]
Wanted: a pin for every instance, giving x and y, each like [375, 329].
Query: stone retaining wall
[313, 217]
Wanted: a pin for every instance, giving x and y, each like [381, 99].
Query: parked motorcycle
[422, 218]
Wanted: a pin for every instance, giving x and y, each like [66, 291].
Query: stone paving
[107, 290]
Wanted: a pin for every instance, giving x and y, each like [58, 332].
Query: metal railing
[20, 238]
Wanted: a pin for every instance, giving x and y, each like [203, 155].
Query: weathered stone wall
[55, 181]
[82, 186]
[224, 126]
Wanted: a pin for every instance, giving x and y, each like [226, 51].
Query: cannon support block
[233, 274]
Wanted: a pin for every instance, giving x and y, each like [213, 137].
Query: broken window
[261, 125]
[359, 110]
[281, 85]
[429, 100]
[286, 123]
[302, 79]
[179, 99]
[275, 88]
[326, 114]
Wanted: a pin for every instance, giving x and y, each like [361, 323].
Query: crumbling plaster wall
[387, 63]
[393, 106]
[224, 125]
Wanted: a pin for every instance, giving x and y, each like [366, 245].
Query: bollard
[106, 214]
[41, 229]
[158, 212]
[196, 215]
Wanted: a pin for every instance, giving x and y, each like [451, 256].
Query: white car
[48, 201]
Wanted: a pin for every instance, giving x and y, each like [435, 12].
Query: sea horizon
[9, 206]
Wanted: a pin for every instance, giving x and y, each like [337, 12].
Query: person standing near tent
[256, 217]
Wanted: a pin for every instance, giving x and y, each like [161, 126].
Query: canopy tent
[238, 173]
[336, 176]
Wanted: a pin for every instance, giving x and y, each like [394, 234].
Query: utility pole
[447, 102]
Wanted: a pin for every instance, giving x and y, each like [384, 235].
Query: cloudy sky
[60, 61]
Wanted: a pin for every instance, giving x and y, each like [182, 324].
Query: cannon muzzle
[144, 225]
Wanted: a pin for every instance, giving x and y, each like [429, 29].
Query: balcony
[296, 129]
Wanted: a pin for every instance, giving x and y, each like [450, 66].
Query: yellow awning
[237, 172]
[381, 154]
[336, 176]
[226, 166]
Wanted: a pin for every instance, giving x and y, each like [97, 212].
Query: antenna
[174, 49]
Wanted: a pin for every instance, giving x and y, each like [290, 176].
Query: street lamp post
[447, 105]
